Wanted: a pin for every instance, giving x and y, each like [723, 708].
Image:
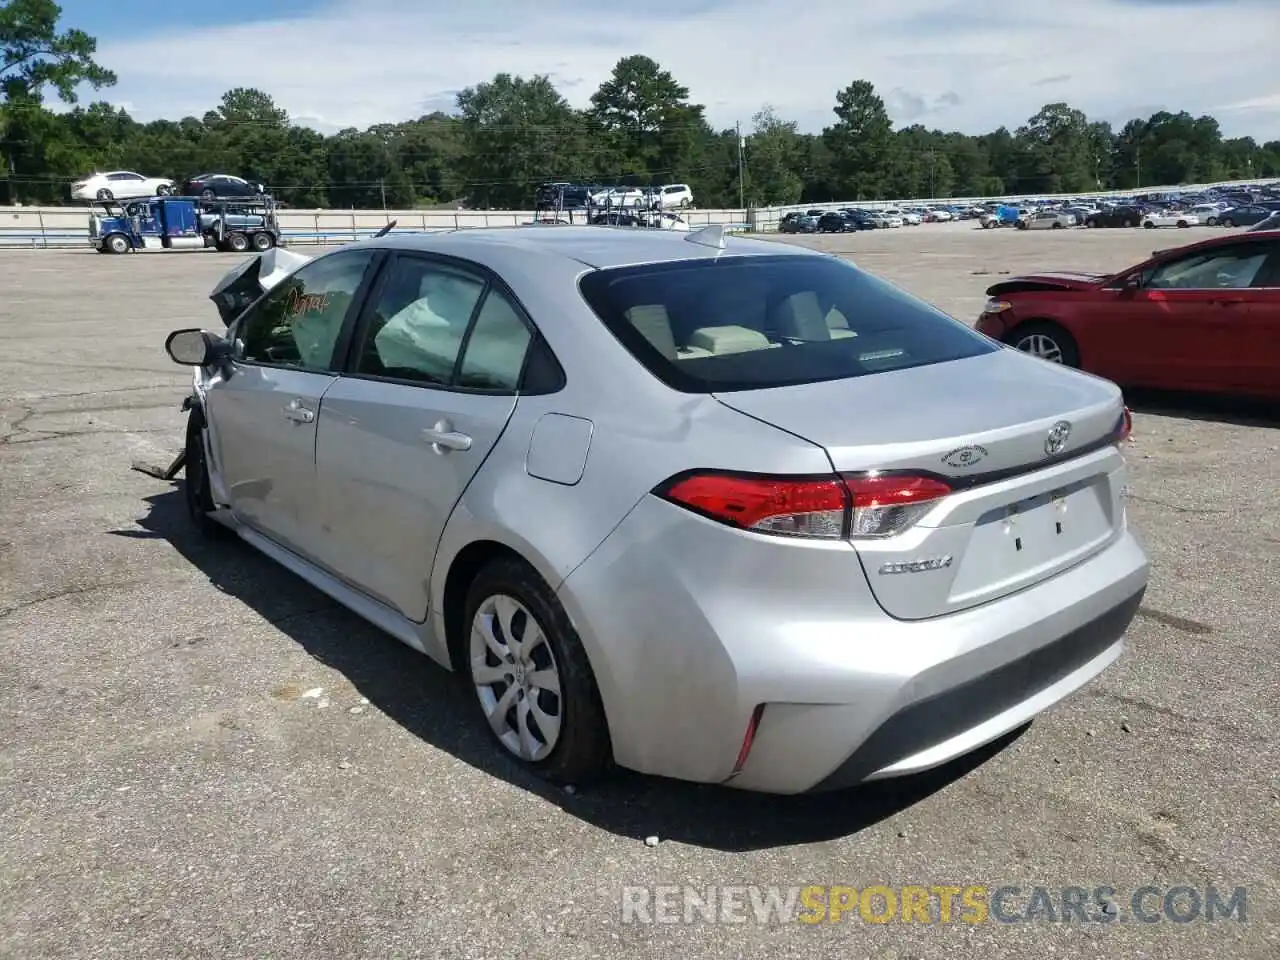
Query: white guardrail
[44, 227]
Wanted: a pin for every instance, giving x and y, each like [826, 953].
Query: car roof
[600, 247]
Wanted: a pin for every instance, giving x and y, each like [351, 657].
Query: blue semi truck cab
[183, 223]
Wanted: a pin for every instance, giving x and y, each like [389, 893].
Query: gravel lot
[168, 789]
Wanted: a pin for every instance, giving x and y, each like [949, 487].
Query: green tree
[861, 141]
[517, 133]
[774, 155]
[647, 123]
[33, 54]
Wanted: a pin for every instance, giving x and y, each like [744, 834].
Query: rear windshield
[745, 323]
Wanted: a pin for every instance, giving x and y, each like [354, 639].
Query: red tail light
[802, 507]
[828, 508]
[885, 503]
[1125, 427]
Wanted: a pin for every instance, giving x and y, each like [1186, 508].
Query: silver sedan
[700, 506]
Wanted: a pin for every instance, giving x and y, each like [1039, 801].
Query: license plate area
[1018, 543]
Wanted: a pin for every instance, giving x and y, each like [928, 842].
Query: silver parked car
[712, 508]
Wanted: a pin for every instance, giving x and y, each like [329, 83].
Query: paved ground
[168, 789]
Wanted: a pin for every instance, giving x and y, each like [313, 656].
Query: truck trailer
[183, 223]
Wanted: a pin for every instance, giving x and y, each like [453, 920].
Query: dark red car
[1202, 318]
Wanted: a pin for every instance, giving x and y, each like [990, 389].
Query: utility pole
[382, 185]
[742, 189]
[1137, 165]
[933, 177]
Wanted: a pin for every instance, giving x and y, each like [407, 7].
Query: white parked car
[912, 219]
[672, 195]
[1208, 213]
[940, 216]
[621, 197]
[665, 221]
[1169, 218]
[120, 185]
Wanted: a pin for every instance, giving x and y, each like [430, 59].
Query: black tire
[1057, 226]
[163, 190]
[1134, 223]
[1211, 222]
[1228, 222]
[237, 242]
[262, 240]
[207, 194]
[117, 243]
[105, 194]
[1148, 225]
[1047, 328]
[195, 483]
[583, 751]
[1091, 222]
[1183, 225]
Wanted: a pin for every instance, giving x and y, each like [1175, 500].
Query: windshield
[743, 323]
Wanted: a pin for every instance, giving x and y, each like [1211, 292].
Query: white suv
[674, 195]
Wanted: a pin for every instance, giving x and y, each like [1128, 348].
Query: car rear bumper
[691, 626]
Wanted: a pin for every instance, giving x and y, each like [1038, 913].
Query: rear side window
[744, 323]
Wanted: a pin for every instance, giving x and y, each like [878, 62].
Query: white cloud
[958, 64]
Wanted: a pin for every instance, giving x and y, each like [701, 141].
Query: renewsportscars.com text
[935, 904]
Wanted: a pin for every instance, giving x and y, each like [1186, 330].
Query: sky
[968, 65]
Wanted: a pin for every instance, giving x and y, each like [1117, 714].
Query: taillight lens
[807, 507]
[858, 506]
[1125, 427]
[887, 504]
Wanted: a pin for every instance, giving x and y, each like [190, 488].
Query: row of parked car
[128, 185]
[1227, 208]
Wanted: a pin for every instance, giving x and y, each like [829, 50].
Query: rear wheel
[1046, 340]
[207, 194]
[237, 242]
[1057, 226]
[105, 194]
[533, 683]
[263, 241]
[1091, 222]
[1228, 222]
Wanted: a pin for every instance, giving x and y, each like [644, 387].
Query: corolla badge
[965, 456]
[1056, 441]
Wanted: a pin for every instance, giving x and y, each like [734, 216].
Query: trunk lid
[1022, 509]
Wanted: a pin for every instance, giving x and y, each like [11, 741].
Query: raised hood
[246, 282]
[1048, 281]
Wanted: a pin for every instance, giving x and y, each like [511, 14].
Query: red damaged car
[1201, 318]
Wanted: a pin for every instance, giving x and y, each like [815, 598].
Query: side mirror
[196, 348]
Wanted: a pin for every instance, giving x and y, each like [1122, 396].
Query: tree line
[512, 133]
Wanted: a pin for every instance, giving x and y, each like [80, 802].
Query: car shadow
[1237, 411]
[432, 703]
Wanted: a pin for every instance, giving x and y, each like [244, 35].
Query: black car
[217, 186]
[1116, 217]
[834, 222]
[790, 223]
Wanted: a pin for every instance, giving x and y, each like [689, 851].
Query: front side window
[741, 323]
[1222, 268]
[296, 324]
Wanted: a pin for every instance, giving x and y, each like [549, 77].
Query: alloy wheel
[516, 677]
[1042, 346]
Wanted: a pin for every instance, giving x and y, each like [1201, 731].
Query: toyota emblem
[1056, 441]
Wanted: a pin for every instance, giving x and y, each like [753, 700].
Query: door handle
[444, 438]
[298, 413]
